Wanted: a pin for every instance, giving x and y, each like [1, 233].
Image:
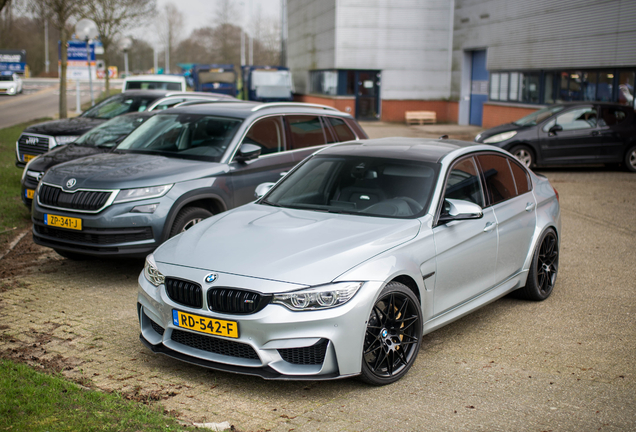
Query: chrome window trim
[109, 201]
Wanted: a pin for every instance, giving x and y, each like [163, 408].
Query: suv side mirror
[247, 152]
[556, 128]
[455, 209]
[262, 189]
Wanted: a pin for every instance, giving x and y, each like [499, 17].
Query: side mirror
[556, 128]
[455, 209]
[262, 189]
[247, 152]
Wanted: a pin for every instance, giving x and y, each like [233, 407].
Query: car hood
[126, 170]
[73, 126]
[64, 154]
[287, 245]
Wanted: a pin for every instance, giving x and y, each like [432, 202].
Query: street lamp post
[86, 29]
[125, 45]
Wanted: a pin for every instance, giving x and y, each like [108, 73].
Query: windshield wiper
[269, 203]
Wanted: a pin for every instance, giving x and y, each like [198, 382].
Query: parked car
[10, 83]
[570, 133]
[179, 167]
[347, 261]
[101, 139]
[42, 137]
[155, 82]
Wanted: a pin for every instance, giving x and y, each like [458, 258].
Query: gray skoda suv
[179, 167]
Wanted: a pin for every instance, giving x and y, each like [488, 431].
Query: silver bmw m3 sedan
[341, 267]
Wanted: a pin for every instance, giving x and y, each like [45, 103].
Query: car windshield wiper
[269, 203]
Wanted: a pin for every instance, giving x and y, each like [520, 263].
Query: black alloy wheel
[393, 335]
[544, 269]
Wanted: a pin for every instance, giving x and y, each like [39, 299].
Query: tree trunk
[106, 65]
[63, 42]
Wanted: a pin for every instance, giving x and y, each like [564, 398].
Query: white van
[155, 82]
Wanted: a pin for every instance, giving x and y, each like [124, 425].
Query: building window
[547, 87]
[323, 82]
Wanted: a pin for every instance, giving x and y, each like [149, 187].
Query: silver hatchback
[346, 262]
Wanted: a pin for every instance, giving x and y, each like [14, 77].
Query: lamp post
[125, 45]
[86, 29]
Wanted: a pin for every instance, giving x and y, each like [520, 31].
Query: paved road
[40, 99]
[565, 364]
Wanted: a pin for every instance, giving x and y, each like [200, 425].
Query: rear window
[152, 85]
[500, 184]
[343, 132]
[306, 131]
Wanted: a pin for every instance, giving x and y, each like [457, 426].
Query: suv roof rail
[207, 101]
[293, 104]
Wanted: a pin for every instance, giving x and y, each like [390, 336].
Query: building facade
[481, 62]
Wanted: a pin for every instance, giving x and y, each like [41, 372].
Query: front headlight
[125, 195]
[151, 273]
[321, 297]
[500, 137]
[65, 139]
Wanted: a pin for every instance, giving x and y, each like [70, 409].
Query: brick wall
[495, 115]
[393, 110]
[342, 103]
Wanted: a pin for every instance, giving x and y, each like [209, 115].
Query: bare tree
[114, 17]
[170, 30]
[4, 3]
[59, 12]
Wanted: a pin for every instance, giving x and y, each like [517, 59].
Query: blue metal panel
[479, 87]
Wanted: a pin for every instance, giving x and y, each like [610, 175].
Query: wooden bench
[420, 117]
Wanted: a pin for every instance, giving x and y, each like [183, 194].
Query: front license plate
[29, 193]
[27, 157]
[205, 325]
[63, 222]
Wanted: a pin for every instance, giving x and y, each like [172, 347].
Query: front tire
[544, 268]
[630, 159]
[187, 218]
[393, 335]
[524, 155]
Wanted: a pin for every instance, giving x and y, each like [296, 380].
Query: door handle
[529, 206]
[490, 226]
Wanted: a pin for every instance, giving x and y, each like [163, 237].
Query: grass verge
[34, 401]
[13, 213]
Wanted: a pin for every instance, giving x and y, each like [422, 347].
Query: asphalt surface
[565, 364]
[40, 99]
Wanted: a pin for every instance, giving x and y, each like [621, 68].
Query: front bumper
[113, 232]
[273, 343]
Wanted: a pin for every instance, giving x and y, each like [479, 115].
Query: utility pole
[283, 32]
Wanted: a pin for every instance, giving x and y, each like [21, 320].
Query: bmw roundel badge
[211, 277]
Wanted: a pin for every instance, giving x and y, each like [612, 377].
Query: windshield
[118, 105]
[358, 185]
[270, 78]
[538, 116]
[216, 77]
[110, 133]
[6, 77]
[188, 136]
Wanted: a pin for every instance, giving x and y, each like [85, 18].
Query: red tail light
[556, 193]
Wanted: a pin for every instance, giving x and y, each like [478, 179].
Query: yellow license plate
[205, 325]
[27, 157]
[63, 222]
[29, 193]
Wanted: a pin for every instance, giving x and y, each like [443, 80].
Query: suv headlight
[321, 297]
[125, 195]
[65, 139]
[500, 137]
[151, 273]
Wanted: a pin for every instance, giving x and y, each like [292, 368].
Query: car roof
[156, 93]
[418, 149]
[244, 109]
[576, 103]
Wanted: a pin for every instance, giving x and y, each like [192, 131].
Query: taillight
[556, 193]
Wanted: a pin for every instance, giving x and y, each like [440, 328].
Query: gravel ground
[566, 364]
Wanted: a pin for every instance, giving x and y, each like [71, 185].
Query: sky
[200, 13]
